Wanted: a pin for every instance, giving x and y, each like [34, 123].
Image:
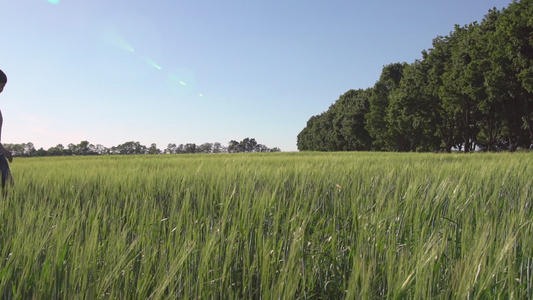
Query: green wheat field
[269, 226]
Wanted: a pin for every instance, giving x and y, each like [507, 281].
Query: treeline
[472, 91]
[86, 148]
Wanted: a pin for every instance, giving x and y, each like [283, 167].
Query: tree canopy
[472, 90]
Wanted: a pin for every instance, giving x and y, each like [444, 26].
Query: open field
[280, 225]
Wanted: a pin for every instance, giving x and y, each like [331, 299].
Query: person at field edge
[4, 153]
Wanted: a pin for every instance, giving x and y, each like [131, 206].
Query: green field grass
[269, 226]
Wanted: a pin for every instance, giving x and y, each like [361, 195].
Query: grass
[269, 226]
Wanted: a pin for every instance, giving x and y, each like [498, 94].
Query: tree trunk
[467, 132]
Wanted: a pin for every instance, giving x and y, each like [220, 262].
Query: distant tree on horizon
[131, 147]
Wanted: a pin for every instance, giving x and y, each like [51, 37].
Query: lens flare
[153, 64]
[113, 37]
[181, 82]
[53, 1]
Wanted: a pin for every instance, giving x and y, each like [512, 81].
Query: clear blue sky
[173, 71]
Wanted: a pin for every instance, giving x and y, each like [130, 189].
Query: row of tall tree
[86, 148]
[472, 90]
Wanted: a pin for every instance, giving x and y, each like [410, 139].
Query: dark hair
[3, 77]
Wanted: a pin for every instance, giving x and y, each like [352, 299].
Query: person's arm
[7, 153]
